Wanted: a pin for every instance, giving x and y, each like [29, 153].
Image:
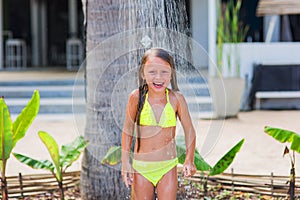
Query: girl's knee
[139, 193]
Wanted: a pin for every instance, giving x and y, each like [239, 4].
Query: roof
[278, 7]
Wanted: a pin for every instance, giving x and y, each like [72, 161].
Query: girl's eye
[151, 72]
[166, 73]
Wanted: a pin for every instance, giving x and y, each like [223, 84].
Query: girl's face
[157, 73]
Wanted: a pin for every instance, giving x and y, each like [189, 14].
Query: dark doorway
[58, 20]
[17, 24]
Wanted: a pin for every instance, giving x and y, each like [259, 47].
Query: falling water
[155, 23]
[151, 17]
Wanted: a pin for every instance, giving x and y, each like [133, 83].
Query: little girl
[153, 109]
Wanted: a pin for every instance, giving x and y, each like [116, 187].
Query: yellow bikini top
[167, 118]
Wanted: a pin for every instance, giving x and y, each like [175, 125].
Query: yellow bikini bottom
[154, 171]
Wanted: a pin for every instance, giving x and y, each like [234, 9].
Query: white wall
[199, 27]
[267, 53]
[276, 53]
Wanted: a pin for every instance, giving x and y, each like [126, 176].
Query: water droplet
[146, 41]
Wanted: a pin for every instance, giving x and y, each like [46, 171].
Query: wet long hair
[143, 87]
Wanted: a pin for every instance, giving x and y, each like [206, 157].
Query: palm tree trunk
[99, 181]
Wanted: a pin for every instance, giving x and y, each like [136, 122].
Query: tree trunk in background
[99, 181]
[104, 19]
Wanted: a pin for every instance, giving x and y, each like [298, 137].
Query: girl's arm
[127, 136]
[189, 168]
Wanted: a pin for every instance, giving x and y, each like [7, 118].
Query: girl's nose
[158, 75]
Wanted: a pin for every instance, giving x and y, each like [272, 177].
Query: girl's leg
[141, 188]
[167, 186]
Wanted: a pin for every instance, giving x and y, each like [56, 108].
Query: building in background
[44, 26]
[50, 33]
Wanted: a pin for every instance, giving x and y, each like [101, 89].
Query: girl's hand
[189, 169]
[127, 175]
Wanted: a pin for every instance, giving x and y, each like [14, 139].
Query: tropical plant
[60, 160]
[230, 30]
[113, 157]
[12, 132]
[284, 136]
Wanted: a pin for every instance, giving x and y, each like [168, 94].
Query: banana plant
[11, 132]
[113, 157]
[60, 160]
[285, 136]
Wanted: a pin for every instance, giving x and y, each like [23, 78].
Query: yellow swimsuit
[167, 118]
[154, 171]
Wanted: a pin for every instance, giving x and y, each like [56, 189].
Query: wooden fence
[27, 185]
[271, 185]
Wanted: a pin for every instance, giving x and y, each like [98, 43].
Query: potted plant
[226, 85]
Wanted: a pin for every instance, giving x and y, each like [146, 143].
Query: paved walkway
[39, 74]
[260, 153]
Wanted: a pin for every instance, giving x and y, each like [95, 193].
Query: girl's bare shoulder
[134, 96]
[177, 99]
[177, 95]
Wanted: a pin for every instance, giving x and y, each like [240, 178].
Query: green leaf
[200, 163]
[72, 151]
[53, 150]
[26, 117]
[296, 143]
[280, 135]
[113, 156]
[226, 160]
[35, 164]
[6, 141]
[198, 160]
[283, 136]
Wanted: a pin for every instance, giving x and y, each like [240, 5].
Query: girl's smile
[158, 85]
